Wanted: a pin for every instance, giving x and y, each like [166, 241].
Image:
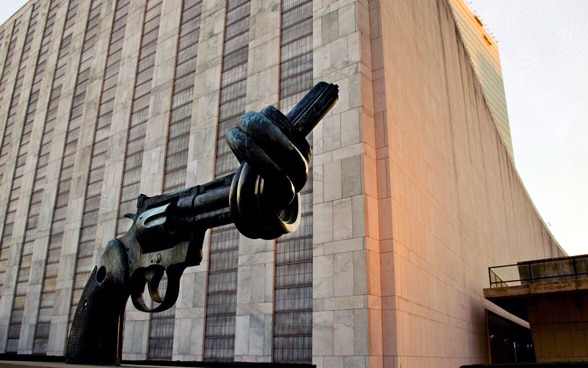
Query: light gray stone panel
[361, 329]
[254, 333]
[343, 274]
[351, 177]
[11, 73]
[136, 331]
[323, 280]
[344, 325]
[323, 329]
[10, 146]
[342, 219]
[190, 309]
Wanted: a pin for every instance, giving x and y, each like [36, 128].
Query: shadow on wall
[508, 342]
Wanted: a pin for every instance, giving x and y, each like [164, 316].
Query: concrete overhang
[514, 299]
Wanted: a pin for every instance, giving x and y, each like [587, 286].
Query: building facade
[483, 52]
[412, 195]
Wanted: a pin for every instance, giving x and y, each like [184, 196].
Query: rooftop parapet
[552, 295]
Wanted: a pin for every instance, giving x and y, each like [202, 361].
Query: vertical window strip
[55, 239]
[162, 324]
[183, 88]
[293, 284]
[221, 303]
[85, 249]
[6, 146]
[136, 138]
[101, 134]
[161, 332]
[5, 143]
[59, 211]
[93, 191]
[2, 31]
[12, 43]
[139, 113]
[23, 150]
[219, 340]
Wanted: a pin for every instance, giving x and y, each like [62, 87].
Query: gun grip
[95, 336]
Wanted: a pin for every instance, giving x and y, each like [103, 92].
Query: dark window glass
[219, 339]
[293, 284]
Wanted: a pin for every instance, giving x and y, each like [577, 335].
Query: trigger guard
[139, 280]
[153, 285]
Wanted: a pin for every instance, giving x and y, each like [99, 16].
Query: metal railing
[544, 270]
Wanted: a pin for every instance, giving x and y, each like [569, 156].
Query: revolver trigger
[153, 279]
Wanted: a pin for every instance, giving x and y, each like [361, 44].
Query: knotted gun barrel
[261, 198]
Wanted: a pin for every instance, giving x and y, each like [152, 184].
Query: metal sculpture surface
[261, 198]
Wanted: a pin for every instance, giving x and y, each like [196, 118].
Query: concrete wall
[560, 328]
[551, 270]
[414, 202]
[451, 194]
[346, 304]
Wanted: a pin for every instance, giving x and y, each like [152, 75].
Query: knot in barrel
[264, 196]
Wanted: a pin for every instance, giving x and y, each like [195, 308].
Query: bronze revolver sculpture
[261, 198]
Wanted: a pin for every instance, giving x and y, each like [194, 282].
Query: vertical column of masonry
[255, 282]
[3, 48]
[82, 212]
[100, 149]
[176, 155]
[161, 328]
[3, 54]
[219, 336]
[112, 134]
[100, 143]
[190, 308]
[137, 328]
[293, 290]
[114, 115]
[60, 170]
[139, 113]
[13, 49]
[35, 235]
[12, 158]
[45, 157]
[21, 251]
[380, 225]
[346, 260]
[3, 57]
[176, 160]
[76, 253]
[7, 224]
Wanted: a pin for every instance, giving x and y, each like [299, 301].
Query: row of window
[161, 329]
[219, 341]
[293, 285]
[27, 249]
[293, 267]
[41, 338]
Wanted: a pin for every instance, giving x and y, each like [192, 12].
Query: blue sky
[544, 51]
